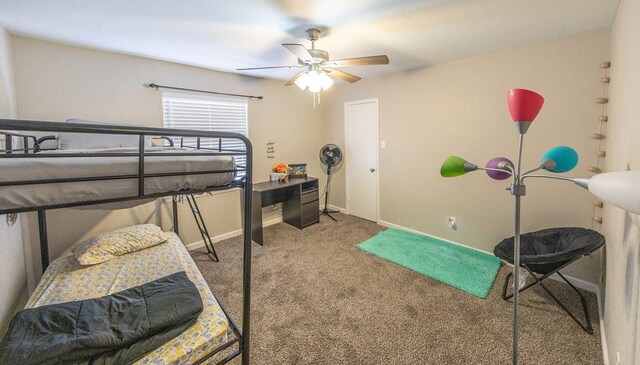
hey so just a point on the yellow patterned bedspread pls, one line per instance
(66, 280)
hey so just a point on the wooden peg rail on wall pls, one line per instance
(600, 135)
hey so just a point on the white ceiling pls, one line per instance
(229, 34)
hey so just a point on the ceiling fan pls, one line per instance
(317, 65)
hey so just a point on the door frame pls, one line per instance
(346, 151)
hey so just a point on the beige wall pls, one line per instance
(622, 229)
(56, 82)
(7, 90)
(459, 107)
(425, 115)
(13, 269)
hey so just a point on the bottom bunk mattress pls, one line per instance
(44, 168)
(66, 280)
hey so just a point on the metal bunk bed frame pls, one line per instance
(7, 126)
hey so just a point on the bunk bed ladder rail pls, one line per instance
(202, 227)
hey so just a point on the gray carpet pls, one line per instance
(317, 299)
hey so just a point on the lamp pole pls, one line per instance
(518, 190)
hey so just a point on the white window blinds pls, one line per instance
(186, 111)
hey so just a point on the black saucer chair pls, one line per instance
(548, 251)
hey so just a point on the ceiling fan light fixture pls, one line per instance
(315, 81)
(315, 88)
(303, 81)
(325, 81)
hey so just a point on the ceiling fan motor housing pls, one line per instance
(313, 34)
(319, 56)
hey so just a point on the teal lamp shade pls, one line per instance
(559, 159)
(456, 166)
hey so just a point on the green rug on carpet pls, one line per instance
(464, 268)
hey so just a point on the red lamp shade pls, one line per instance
(524, 105)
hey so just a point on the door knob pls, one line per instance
(372, 170)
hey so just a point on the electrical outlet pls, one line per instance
(453, 223)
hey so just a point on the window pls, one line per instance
(186, 111)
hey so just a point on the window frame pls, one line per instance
(211, 99)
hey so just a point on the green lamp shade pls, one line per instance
(560, 159)
(456, 166)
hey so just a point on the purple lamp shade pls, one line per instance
(498, 163)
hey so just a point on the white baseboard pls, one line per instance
(397, 226)
(603, 334)
(333, 207)
(579, 283)
(224, 236)
(238, 232)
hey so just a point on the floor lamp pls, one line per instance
(621, 189)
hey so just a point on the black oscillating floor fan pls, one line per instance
(330, 156)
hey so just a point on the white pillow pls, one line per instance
(84, 141)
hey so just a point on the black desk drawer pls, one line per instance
(310, 213)
(309, 196)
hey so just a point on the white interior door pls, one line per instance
(361, 155)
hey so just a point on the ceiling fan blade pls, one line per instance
(293, 79)
(299, 50)
(265, 68)
(342, 75)
(360, 61)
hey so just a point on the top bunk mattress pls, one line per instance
(66, 280)
(37, 168)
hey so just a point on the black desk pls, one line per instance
(299, 198)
